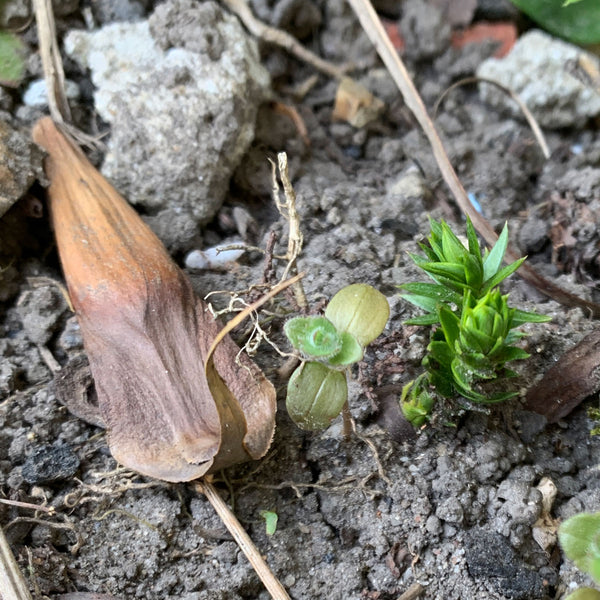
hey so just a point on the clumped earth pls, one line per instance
(456, 507)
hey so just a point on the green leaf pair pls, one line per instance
(317, 390)
(475, 333)
(417, 401)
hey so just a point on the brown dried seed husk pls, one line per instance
(147, 335)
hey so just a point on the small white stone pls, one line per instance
(212, 258)
(36, 94)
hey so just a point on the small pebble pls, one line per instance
(212, 258)
(48, 463)
(36, 94)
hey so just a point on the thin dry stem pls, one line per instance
(12, 583)
(353, 482)
(51, 510)
(292, 113)
(242, 315)
(280, 38)
(51, 62)
(374, 29)
(273, 585)
(54, 74)
(288, 211)
(531, 120)
(414, 591)
(349, 427)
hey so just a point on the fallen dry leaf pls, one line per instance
(571, 380)
(147, 335)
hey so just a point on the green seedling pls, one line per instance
(475, 328)
(579, 537)
(318, 389)
(317, 337)
(314, 336)
(12, 59)
(271, 519)
(316, 395)
(584, 593)
(359, 310)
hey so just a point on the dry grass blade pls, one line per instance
(535, 128)
(243, 540)
(412, 593)
(54, 74)
(374, 29)
(12, 583)
(51, 61)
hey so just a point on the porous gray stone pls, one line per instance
(49, 463)
(181, 91)
(536, 70)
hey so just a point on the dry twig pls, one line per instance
(413, 592)
(243, 540)
(280, 38)
(12, 583)
(535, 128)
(288, 211)
(54, 74)
(51, 62)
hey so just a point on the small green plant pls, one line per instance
(12, 59)
(475, 328)
(579, 537)
(271, 519)
(329, 345)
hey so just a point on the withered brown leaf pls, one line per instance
(572, 379)
(147, 335)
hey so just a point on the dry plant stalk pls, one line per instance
(280, 38)
(51, 61)
(287, 209)
(243, 540)
(148, 336)
(12, 584)
(531, 120)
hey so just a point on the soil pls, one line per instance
(455, 507)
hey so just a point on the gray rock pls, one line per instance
(534, 234)
(535, 70)
(522, 501)
(490, 557)
(181, 92)
(20, 164)
(40, 310)
(425, 30)
(450, 510)
(108, 11)
(50, 463)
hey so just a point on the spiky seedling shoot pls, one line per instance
(475, 331)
